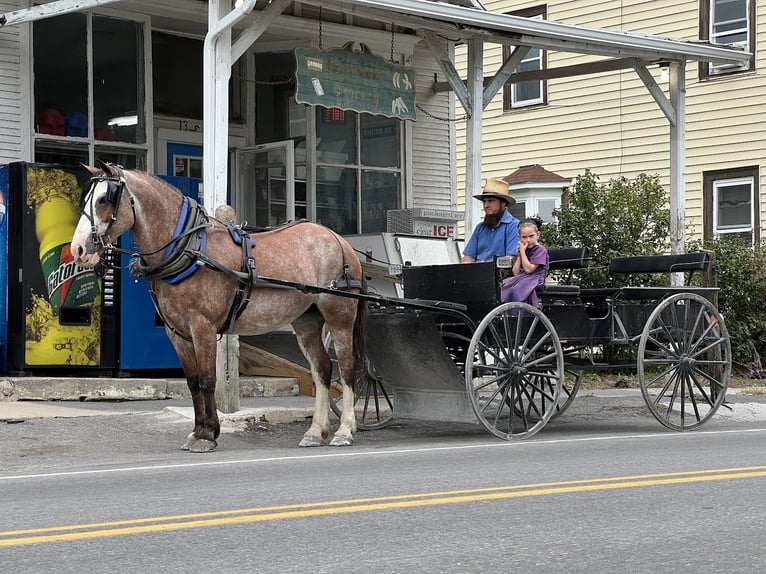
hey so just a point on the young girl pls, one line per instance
(529, 266)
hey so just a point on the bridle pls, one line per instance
(116, 185)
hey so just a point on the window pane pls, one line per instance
(734, 206)
(379, 141)
(177, 75)
(518, 210)
(127, 158)
(70, 155)
(728, 10)
(336, 199)
(545, 209)
(117, 81)
(61, 75)
(336, 134)
(380, 192)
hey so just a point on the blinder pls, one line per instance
(115, 187)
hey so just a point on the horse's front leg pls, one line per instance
(201, 383)
(206, 424)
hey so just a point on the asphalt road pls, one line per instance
(602, 489)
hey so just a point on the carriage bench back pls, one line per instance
(571, 258)
(687, 263)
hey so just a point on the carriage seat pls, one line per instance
(687, 263)
(571, 258)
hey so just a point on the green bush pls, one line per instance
(742, 280)
(620, 218)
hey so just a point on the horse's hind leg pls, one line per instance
(202, 388)
(308, 329)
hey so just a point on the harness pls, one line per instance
(186, 252)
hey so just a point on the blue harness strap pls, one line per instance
(236, 235)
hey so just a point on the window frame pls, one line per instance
(708, 70)
(359, 169)
(712, 182)
(510, 101)
(97, 148)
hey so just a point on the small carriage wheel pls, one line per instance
(684, 361)
(514, 371)
(373, 401)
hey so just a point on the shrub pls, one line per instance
(742, 280)
(621, 218)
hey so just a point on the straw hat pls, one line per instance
(496, 188)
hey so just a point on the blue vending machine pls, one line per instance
(3, 271)
(144, 345)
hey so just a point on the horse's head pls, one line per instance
(101, 219)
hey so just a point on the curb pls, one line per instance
(116, 389)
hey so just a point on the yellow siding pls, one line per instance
(610, 124)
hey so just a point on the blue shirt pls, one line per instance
(485, 244)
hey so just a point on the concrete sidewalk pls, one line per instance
(23, 398)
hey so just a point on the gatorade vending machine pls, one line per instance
(60, 315)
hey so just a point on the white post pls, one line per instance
(473, 176)
(217, 70)
(678, 158)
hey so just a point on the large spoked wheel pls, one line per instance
(514, 371)
(684, 361)
(373, 402)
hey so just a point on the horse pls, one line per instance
(207, 278)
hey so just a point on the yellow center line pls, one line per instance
(267, 513)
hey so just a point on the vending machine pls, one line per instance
(61, 315)
(3, 271)
(144, 345)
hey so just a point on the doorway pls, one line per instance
(267, 192)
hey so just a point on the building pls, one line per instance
(558, 123)
(329, 110)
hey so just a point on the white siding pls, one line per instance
(433, 138)
(11, 132)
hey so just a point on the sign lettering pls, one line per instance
(356, 80)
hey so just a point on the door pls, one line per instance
(267, 193)
(184, 160)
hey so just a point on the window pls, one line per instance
(177, 78)
(89, 90)
(731, 23)
(530, 92)
(358, 170)
(731, 204)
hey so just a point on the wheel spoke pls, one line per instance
(685, 338)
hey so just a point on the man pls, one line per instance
(498, 234)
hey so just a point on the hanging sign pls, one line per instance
(356, 80)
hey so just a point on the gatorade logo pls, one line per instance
(62, 276)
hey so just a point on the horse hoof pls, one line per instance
(310, 441)
(203, 445)
(341, 441)
(190, 440)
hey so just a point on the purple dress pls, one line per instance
(521, 287)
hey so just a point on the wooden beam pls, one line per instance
(48, 10)
(562, 72)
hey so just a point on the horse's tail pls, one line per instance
(360, 336)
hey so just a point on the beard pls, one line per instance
(491, 220)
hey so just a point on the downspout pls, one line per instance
(216, 66)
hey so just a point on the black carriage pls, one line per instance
(450, 351)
